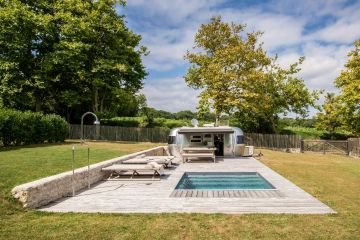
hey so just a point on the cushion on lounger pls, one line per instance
(154, 165)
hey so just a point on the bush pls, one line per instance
(23, 128)
(142, 122)
(170, 123)
(122, 121)
(336, 136)
(313, 133)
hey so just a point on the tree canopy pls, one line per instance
(237, 77)
(344, 109)
(329, 119)
(68, 57)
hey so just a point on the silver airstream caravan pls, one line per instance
(226, 140)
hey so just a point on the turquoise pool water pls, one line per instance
(223, 180)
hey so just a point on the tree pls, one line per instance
(146, 111)
(237, 77)
(67, 56)
(24, 43)
(330, 118)
(349, 98)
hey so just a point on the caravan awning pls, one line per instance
(184, 130)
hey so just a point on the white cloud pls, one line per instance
(168, 47)
(279, 30)
(322, 31)
(175, 11)
(323, 63)
(170, 94)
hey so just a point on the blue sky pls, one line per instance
(323, 31)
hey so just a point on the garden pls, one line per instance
(323, 177)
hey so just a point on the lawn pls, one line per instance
(333, 179)
(313, 133)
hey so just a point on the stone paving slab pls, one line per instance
(156, 196)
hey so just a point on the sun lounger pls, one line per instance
(145, 160)
(160, 157)
(136, 169)
(186, 156)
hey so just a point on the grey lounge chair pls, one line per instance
(136, 169)
(165, 161)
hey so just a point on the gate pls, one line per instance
(325, 146)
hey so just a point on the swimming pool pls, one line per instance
(223, 180)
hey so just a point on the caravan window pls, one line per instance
(171, 140)
(195, 138)
(239, 139)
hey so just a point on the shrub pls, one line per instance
(142, 122)
(170, 123)
(122, 121)
(23, 128)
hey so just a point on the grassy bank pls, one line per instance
(313, 133)
(335, 180)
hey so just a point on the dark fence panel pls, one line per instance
(273, 141)
(326, 146)
(354, 147)
(115, 133)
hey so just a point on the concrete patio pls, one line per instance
(123, 196)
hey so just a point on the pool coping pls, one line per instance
(228, 193)
(156, 196)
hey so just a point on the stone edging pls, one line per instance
(43, 191)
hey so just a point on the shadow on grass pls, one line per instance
(13, 148)
(67, 142)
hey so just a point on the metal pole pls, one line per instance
(88, 177)
(73, 171)
(82, 129)
(97, 122)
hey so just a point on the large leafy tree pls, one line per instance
(237, 77)
(329, 118)
(68, 56)
(349, 98)
(25, 40)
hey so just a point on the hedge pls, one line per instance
(23, 128)
(122, 121)
(141, 122)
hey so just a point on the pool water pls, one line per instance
(223, 180)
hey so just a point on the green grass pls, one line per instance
(23, 164)
(305, 132)
(312, 133)
(333, 179)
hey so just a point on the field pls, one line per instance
(333, 179)
(313, 133)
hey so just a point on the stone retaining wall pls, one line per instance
(43, 191)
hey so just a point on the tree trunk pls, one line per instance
(38, 105)
(273, 125)
(102, 102)
(68, 114)
(217, 119)
(96, 100)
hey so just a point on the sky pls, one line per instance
(321, 30)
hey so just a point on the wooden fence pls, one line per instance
(354, 147)
(273, 141)
(114, 133)
(326, 146)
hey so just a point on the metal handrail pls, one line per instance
(73, 166)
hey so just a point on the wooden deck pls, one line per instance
(159, 196)
(227, 193)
